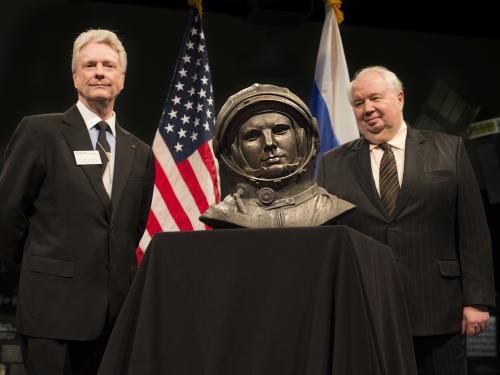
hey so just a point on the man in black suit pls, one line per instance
(76, 190)
(421, 198)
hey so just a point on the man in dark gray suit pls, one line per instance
(416, 192)
(75, 195)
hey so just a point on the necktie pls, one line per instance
(389, 182)
(104, 150)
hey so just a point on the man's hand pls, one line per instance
(474, 321)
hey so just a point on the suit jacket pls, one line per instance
(78, 246)
(439, 235)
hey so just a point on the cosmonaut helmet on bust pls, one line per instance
(268, 140)
(234, 132)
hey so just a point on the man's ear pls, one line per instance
(123, 81)
(74, 81)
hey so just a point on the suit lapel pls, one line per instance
(360, 164)
(414, 167)
(78, 138)
(124, 157)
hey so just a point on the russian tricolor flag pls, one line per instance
(329, 100)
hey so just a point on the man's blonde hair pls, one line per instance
(99, 36)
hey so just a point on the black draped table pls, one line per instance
(315, 301)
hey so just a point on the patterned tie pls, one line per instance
(104, 150)
(389, 182)
(102, 144)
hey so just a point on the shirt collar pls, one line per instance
(399, 140)
(91, 119)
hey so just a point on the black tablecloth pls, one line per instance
(323, 300)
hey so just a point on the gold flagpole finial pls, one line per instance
(336, 4)
(196, 4)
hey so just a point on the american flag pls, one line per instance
(187, 181)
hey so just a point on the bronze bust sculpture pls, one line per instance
(268, 140)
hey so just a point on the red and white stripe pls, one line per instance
(182, 192)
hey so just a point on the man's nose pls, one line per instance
(99, 71)
(268, 138)
(368, 107)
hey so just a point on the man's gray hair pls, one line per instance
(391, 79)
(99, 36)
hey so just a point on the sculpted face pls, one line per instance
(377, 107)
(268, 141)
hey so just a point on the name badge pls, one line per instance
(87, 157)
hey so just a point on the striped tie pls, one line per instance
(389, 182)
(102, 145)
(104, 150)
